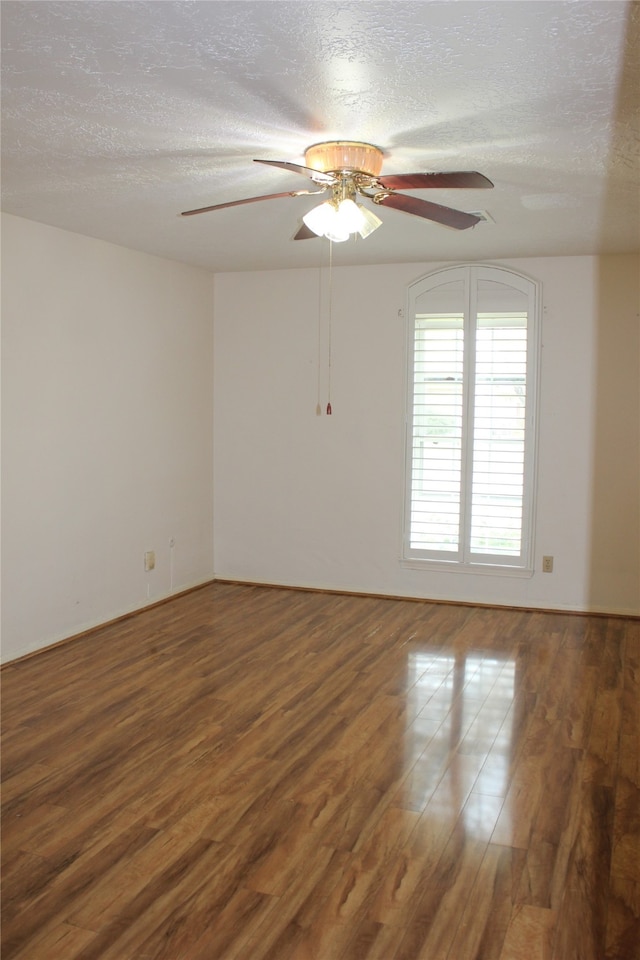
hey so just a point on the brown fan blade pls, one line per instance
(430, 211)
(237, 203)
(445, 181)
(316, 175)
(304, 233)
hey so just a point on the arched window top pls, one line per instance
(505, 277)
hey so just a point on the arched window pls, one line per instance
(473, 358)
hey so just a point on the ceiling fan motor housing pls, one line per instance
(334, 156)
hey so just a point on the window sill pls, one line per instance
(471, 569)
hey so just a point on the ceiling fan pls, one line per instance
(349, 169)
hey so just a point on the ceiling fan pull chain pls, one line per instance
(329, 409)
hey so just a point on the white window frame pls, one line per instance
(463, 561)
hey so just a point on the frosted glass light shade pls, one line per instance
(337, 232)
(350, 216)
(319, 219)
(369, 222)
(325, 221)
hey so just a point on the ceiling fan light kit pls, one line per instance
(350, 168)
(337, 221)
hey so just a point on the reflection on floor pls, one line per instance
(462, 707)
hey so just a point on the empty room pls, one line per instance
(320, 480)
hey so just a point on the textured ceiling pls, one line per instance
(119, 115)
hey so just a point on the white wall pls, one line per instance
(107, 431)
(107, 442)
(309, 500)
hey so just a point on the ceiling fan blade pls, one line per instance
(237, 203)
(430, 211)
(445, 181)
(304, 233)
(316, 175)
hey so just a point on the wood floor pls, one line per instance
(250, 773)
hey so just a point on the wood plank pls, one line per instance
(487, 915)
(530, 935)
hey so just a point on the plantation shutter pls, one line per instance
(471, 418)
(438, 408)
